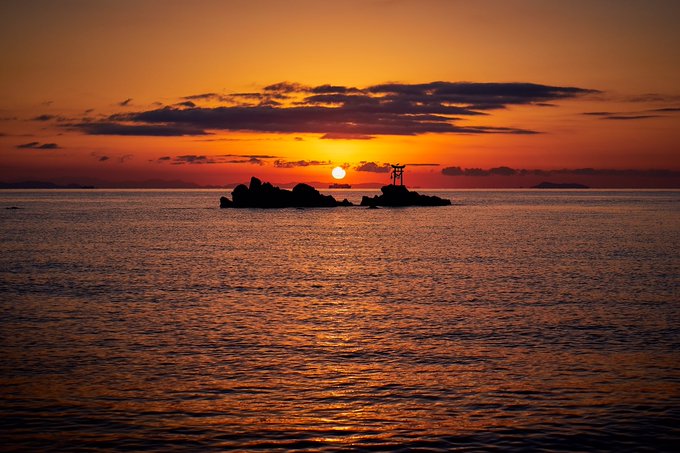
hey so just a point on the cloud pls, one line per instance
(37, 145)
(251, 160)
(160, 130)
(196, 159)
(507, 171)
(256, 156)
(103, 158)
(629, 117)
(193, 159)
(635, 115)
(373, 167)
(299, 163)
(341, 136)
(188, 104)
(422, 165)
(125, 103)
(339, 112)
(44, 117)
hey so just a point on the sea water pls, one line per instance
(514, 320)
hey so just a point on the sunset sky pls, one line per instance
(467, 94)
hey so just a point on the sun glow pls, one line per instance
(338, 172)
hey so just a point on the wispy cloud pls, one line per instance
(197, 159)
(299, 163)
(507, 171)
(38, 145)
(373, 167)
(635, 115)
(113, 128)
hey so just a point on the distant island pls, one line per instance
(339, 185)
(558, 185)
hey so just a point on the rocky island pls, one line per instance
(398, 195)
(265, 195)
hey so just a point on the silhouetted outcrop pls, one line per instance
(400, 196)
(558, 185)
(260, 195)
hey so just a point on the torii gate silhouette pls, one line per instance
(398, 173)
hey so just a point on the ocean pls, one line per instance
(513, 320)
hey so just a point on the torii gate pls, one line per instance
(398, 173)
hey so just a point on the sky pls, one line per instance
(466, 94)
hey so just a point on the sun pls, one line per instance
(338, 172)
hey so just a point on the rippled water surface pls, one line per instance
(537, 320)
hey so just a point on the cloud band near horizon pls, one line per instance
(507, 171)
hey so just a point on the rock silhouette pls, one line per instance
(265, 195)
(400, 196)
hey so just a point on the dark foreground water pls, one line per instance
(513, 320)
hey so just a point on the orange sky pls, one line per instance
(68, 68)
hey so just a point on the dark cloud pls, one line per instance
(37, 145)
(422, 165)
(373, 167)
(252, 160)
(125, 103)
(112, 128)
(334, 89)
(44, 117)
(341, 136)
(202, 96)
(299, 163)
(251, 156)
(507, 171)
(503, 171)
(103, 158)
(287, 87)
(339, 112)
(653, 97)
(220, 159)
(634, 115)
(189, 104)
(629, 117)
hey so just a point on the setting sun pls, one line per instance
(338, 172)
